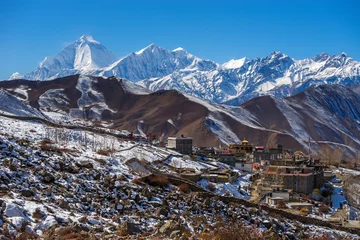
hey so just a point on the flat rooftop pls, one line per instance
(299, 204)
(179, 138)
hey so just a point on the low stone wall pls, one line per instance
(281, 213)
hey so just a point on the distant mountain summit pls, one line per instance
(233, 82)
(84, 55)
(154, 61)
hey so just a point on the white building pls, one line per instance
(244, 166)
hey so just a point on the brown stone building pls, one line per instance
(182, 145)
(299, 179)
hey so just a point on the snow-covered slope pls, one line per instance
(11, 105)
(84, 55)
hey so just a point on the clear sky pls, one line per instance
(216, 30)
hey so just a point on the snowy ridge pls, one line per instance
(10, 105)
(134, 88)
(92, 103)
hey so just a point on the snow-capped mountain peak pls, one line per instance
(84, 55)
(16, 75)
(88, 38)
(235, 63)
(151, 48)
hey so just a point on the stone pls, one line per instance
(85, 164)
(72, 169)
(147, 193)
(162, 211)
(174, 234)
(38, 214)
(64, 204)
(27, 193)
(48, 178)
(127, 228)
(13, 167)
(83, 219)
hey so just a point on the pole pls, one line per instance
(309, 149)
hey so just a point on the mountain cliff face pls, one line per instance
(231, 83)
(328, 115)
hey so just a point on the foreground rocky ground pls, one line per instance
(52, 191)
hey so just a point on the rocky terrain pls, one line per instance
(69, 184)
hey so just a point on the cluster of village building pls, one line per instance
(284, 173)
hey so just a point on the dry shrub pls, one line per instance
(211, 187)
(306, 198)
(137, 180)
(46, 145)
(66, 233)
(51, 148)
(100, 160)
(237, 231)
(184, 188)
(158, 180)
(45, 141)
(324, 209)
(281, 204)
(23, 142)
(105, 152)
(304, 211)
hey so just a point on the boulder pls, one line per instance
(38, 213)
(127, 228)
(162, 211)
(85, 164)
(27, 193)
(48, 178)
(64, 204)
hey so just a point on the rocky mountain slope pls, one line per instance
(57, 184)
(232, 83)
(324, 114)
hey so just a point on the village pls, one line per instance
(281, 178)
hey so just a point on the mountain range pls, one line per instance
(328, 115)
(232, 83)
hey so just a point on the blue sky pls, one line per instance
(216, 30)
